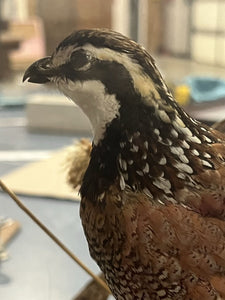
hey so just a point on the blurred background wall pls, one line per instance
(181, 28)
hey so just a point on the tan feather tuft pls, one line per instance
(77, 160)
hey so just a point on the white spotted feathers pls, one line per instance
(150, 167)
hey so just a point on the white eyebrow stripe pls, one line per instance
(142, 82)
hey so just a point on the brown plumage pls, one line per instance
(153, 198)
(171, 251)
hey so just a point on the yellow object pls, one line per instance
(182, 94)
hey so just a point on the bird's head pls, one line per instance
(105, 73)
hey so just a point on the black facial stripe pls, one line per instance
(117, 80)
(113, 75)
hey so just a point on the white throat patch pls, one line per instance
(101, 108)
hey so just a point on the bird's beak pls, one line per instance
(40, 71)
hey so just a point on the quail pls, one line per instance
(152, 197)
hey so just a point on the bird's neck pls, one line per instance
(148, 148)
(127, 140)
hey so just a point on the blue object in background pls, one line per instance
(205, 89)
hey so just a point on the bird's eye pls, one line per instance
(80, 60)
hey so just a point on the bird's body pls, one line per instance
(153, 198)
